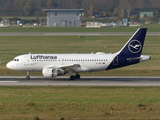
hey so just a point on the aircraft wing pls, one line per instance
(75, 68)
(67, 67)
(70, 67)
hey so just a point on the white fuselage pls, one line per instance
(36, 62)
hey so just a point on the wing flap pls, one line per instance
(70, 67)
(67, 67)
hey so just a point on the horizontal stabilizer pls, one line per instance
(142, 58)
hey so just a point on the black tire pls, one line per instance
(72, 77)
(77, 76)
(27, 77)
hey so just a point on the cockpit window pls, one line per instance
(16, 60)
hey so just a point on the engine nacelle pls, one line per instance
(49, 72)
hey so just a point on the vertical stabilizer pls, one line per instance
(134, 46)
(131, 51)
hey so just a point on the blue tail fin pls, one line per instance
(131, 51)
(133, 47)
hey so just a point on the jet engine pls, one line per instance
(50, 72)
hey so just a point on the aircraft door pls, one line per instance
(26, 61)
(115, 61)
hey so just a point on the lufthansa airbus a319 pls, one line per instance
(53, 65)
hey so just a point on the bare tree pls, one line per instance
(121, 8)
(155, 4)
(129, 5)
(125, 7)
(101, 5)
(88, 5)
(52, 4)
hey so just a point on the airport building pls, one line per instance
(145, 14)
(64, 17)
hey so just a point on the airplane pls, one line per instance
(53, 65)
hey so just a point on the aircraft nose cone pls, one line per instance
(9, 65)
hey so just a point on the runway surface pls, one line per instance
(72, 33)
(84, 81)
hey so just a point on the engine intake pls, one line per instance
(49, 72)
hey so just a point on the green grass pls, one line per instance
(50, 102)
(24, 18)
(66, 29)
(79, 103)
(151, 28)
(12, 46)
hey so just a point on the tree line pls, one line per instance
(121, 8)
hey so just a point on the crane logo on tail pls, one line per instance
(134, 46)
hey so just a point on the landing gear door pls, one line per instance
(26, 61)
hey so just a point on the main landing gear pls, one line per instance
(72, 77)
(77, 76)
(28, 75)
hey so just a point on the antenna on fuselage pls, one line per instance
(105, 47)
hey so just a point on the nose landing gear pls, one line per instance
(28, 75)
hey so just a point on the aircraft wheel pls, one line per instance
(77, 76)
(72, 77)
(27, 77)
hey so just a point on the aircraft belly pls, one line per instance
(38, 67)
(98, 66)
